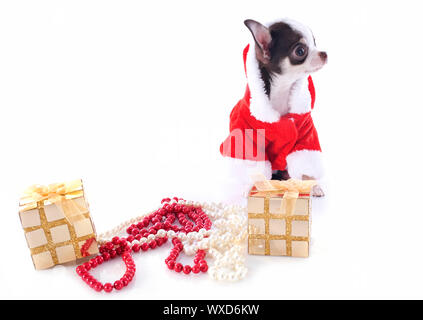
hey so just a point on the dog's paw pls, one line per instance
(317, 191)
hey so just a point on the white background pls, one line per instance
(134, 98)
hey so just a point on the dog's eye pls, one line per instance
(300, 52)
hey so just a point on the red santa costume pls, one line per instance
(282, 142)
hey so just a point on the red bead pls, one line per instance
(166, 200)
(81, 270)
(204, 267)
(115, 240)
(130, 272)
(202, 262)
(93, 263)
(178, 267)
(118, 285)
(153, 244)
(119, 251)
(98, 287)
(140, 225)
(92, 283)
(130, 238)
(109, 246)
(108, 287)
(87, 266)
(99, 259)
(106, 256)
(136, 247)
(86, 277)
(145, 246)
(171, 264)
(196, 269)
(135, 232)
(113, 254)
(138, 237)
(124, 281)
(187, 269)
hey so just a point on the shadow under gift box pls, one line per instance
(272, 230)
(57, 224)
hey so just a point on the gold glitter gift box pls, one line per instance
(57, 223)
(279, 218)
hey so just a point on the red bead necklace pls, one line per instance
(153, 231)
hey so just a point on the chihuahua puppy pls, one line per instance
(271, 129)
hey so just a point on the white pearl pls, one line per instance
(182, 236)
(151, 237)
(203, 245)
(171, 234)
(189, 250)
(143, 240)
(161, 233)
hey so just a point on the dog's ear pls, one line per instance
(262, 38)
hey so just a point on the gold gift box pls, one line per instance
(57, 224)
(275, 228)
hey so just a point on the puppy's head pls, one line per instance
(286, 48)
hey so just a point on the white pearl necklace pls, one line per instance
(225, 242)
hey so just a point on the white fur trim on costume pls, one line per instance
(240, 177)
(260, 106)
(305, 162)
(243, 169)
(300, 98)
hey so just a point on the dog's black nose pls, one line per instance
(323, 55)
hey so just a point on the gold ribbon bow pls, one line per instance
(290, 189)
(60, 194)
